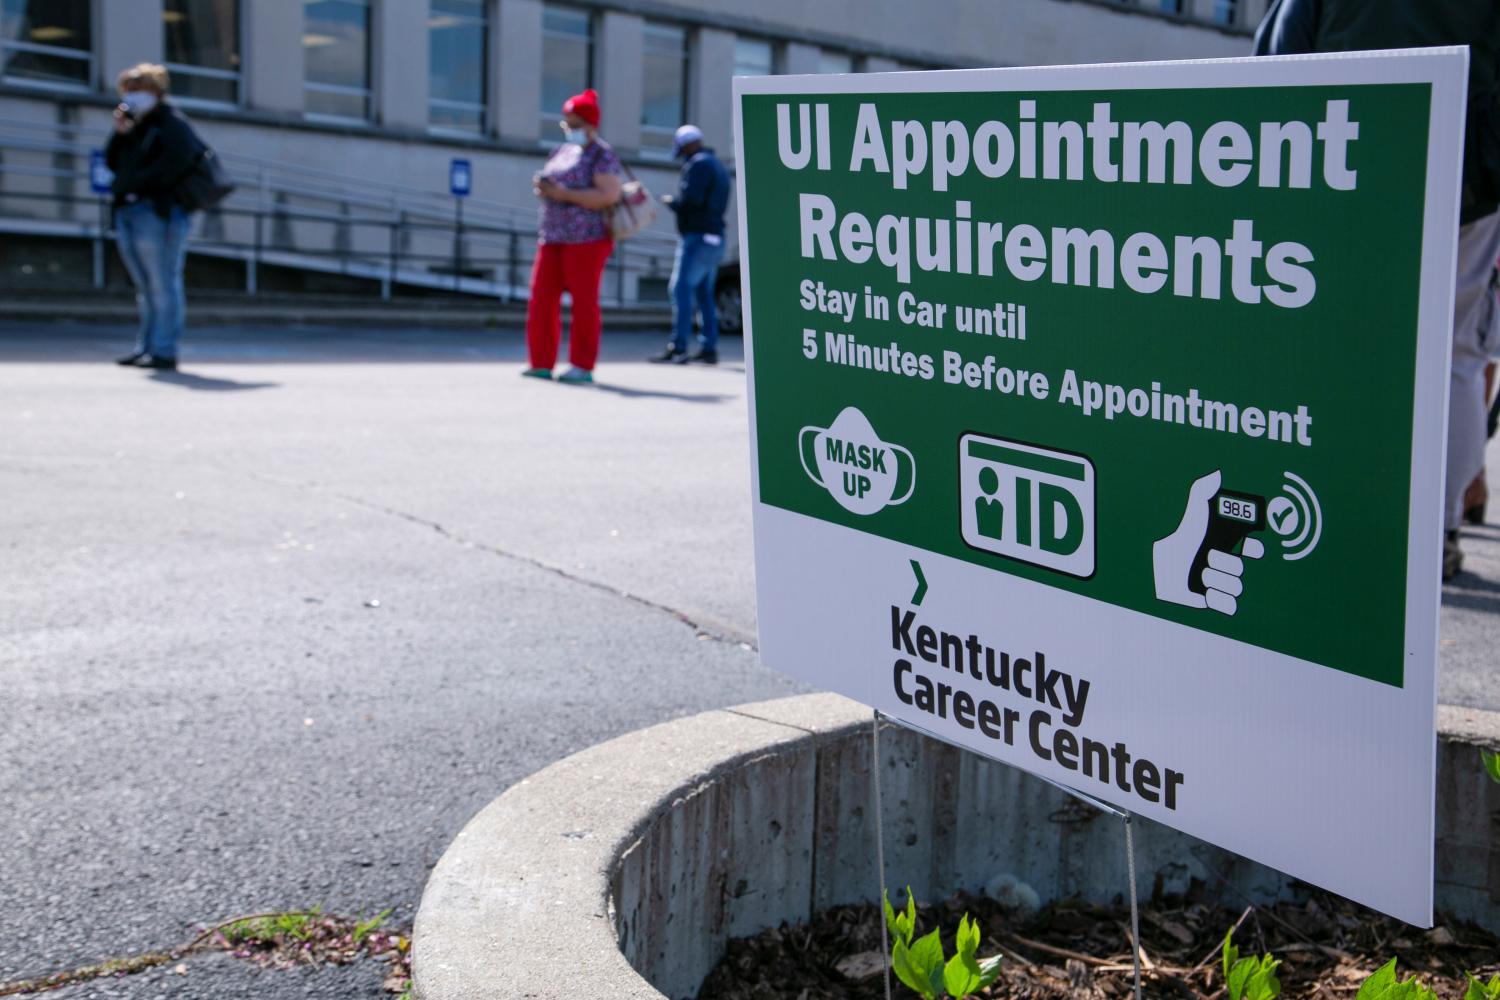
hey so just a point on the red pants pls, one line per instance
(577, 269)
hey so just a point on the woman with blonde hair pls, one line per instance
(580, 181)
(152, 149)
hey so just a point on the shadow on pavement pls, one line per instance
(683, 397)
(1471, 591)
(204, 383)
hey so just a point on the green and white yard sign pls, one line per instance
(1144, 367)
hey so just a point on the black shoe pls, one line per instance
(1453, 556)
(131, 360)
(156, 361)
(702, 358)
(670, 356)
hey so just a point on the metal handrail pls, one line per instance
(384, 266)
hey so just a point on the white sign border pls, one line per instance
(1447, 76)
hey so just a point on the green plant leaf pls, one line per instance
(1262, 983)
(1491, 761)
(989, 971)
(927, 959)
(1231, 954)
(902, 925)
(907, 971)
(961, 976)
(970, 942)
(364, 927)
(1479, 990)
(890, 914)
(1381, 980)
(1239, 976)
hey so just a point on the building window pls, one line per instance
(664, 106)
(47, 42)
(753, 57)
(336, 59)
(1169, 6)
(835, 62)
(567, 61)
(1226, 11)
(457, 38)
(202, 45)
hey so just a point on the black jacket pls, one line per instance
(702, 194)
(1297, 26)
(152, 158)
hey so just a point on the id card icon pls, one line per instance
(1027, 503)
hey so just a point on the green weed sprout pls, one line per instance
(920, 964)
(1482, 991)
(1383, 985)
(1249, 978)
(364, 927)
(1491, 761)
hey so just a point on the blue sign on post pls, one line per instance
(100, 176)
(460, 178)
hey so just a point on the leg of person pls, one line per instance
(1473, 322)
(175, 232)
(127, 236)
(151, 244)
(680, 290)
(583, 269)
(707, 273)
(544, 310)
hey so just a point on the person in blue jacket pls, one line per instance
(702, 195)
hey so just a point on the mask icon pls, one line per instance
(862, 473)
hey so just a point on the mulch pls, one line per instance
(1072, 949)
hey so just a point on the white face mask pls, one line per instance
(576, 136)
(139, 102)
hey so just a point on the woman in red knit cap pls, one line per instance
(579, 183)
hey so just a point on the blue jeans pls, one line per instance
(693, 272)
(153, 249)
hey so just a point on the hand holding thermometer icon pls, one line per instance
(1201, 564)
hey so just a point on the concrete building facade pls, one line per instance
(385, 93)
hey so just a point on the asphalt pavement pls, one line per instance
(274, 627)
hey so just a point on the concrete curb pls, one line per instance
(620, 872)
(523, 891)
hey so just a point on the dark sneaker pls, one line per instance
(543, 373)
(702, 358)
(1453, 556)
(156, 361)
(131, 360)
(576, 376)
(671, 356)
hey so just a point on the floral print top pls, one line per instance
(574, 167)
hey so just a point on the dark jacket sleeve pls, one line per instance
(179, 147)
(1290, 27)
(692, 189)
(114, 149)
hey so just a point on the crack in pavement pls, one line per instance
(702, 627)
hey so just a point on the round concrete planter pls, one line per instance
(620, 872)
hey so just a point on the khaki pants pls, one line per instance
(1474, 338)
